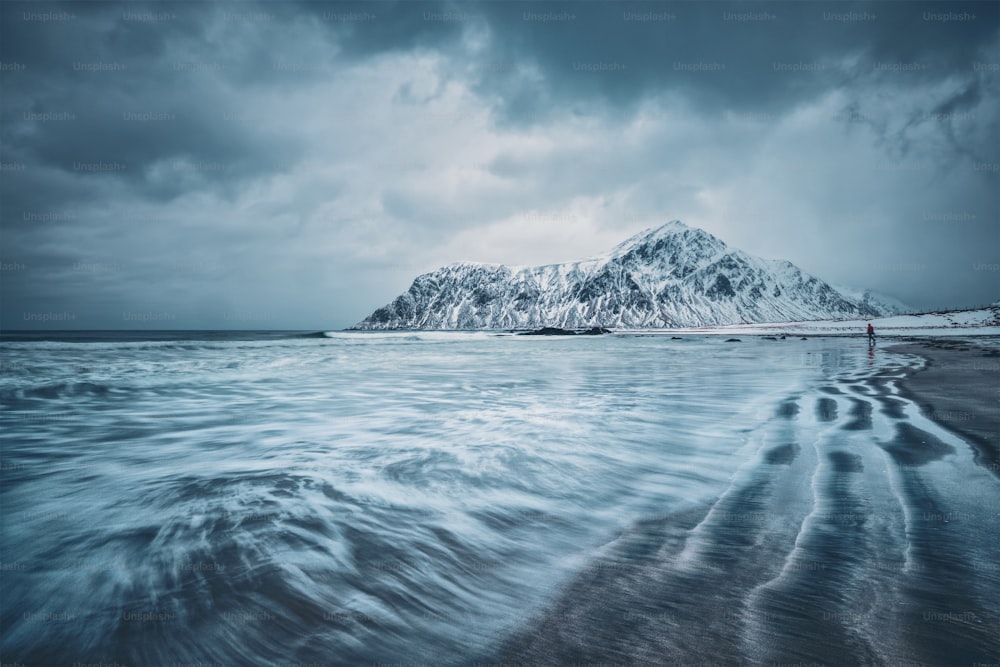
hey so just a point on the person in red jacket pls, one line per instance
(871, 334)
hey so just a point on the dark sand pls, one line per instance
(960, 390)
(853, 548)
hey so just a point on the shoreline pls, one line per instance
(836, 541)
(959, 389)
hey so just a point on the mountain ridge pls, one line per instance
(668, 276)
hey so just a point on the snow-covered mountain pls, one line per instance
(671, 276)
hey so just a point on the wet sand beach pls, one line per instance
(460, 499)
(959, 388)
(862, 532)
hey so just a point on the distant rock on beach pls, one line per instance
(556, 331)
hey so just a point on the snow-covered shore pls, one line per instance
(977, 322)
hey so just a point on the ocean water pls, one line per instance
(349, 499)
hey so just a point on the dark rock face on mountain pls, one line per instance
(671, 276)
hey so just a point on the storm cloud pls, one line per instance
(268, 165)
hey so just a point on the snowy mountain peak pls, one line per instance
(669, 276)
(658, 235)
(653, 233)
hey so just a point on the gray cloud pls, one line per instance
(728, 55)
(243, 165)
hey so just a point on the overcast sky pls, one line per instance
(264, 165)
